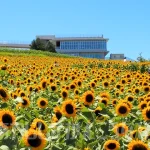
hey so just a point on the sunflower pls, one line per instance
(39, 124)
(25, 102)
(88, 98)
(22, 93)
(3, 94)
(142, 105)
(129, 98)
(111, 145)
(43, 84)
(122, 109)
(146, 113)
(34, 139)
(136, 90)
(105, 95)
(7, 119)
(58, 112)
(134, 134)
(64, 93)
(76, 92)
(69, 108)
(53, 87)
(146, 89)
(120, 129)
(30, 88)
(92, 84)
(42, 102)
(72, 86)
(105, 84)
(97, 111)
(114, 102)
(137, 145)
(104, 101)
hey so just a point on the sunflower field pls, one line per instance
(60, 103)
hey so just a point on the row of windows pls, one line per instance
(83, 45)
(89, 55)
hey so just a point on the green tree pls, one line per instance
(39, 44)
(50, 47)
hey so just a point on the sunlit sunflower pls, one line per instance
(39, 124)
(53, 87)
(72, 86)
(22, 93)
(7, 119)
(114, 102)
(146, 89)
(120, 129)
(88, 98)
(105, 84)
(92, 84)
(64, 93)
(58, 112)
(111, 145)
(129, 98)
(105, 95)
(43, 84)
(142, 105)
(146, 113)
(30, 88)
(137, 145)
(3, 94)
(35, 139)
(104, 101)
(122, 109)
(25, 102)
(136, 90)
(42, 102)
(69, 108)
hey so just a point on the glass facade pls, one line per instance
(83, 45)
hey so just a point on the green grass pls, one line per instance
(19, 52)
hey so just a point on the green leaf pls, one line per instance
(4, 147)
(4, 105)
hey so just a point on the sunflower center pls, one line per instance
(7, 119)
(143, 106)
(3, 93)
(34, 140)
(137, 91)
(44, 84)
(130, 99)
(79, 83)
(64, 94)
(120, 130)
(111, 146)
(139, 147)
(89, 98)
(104, 101)
(97, 112)
(42, 103)
(40, 125)
(122, 110)
(58, 115)
(146, 89)
(69, 109)
(24, 102)
(105, 84)
(22, 94)
(148, 114)
(53, 88)
(72, 86)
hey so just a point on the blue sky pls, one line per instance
(125, 22)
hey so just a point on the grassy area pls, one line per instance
(19, 52)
